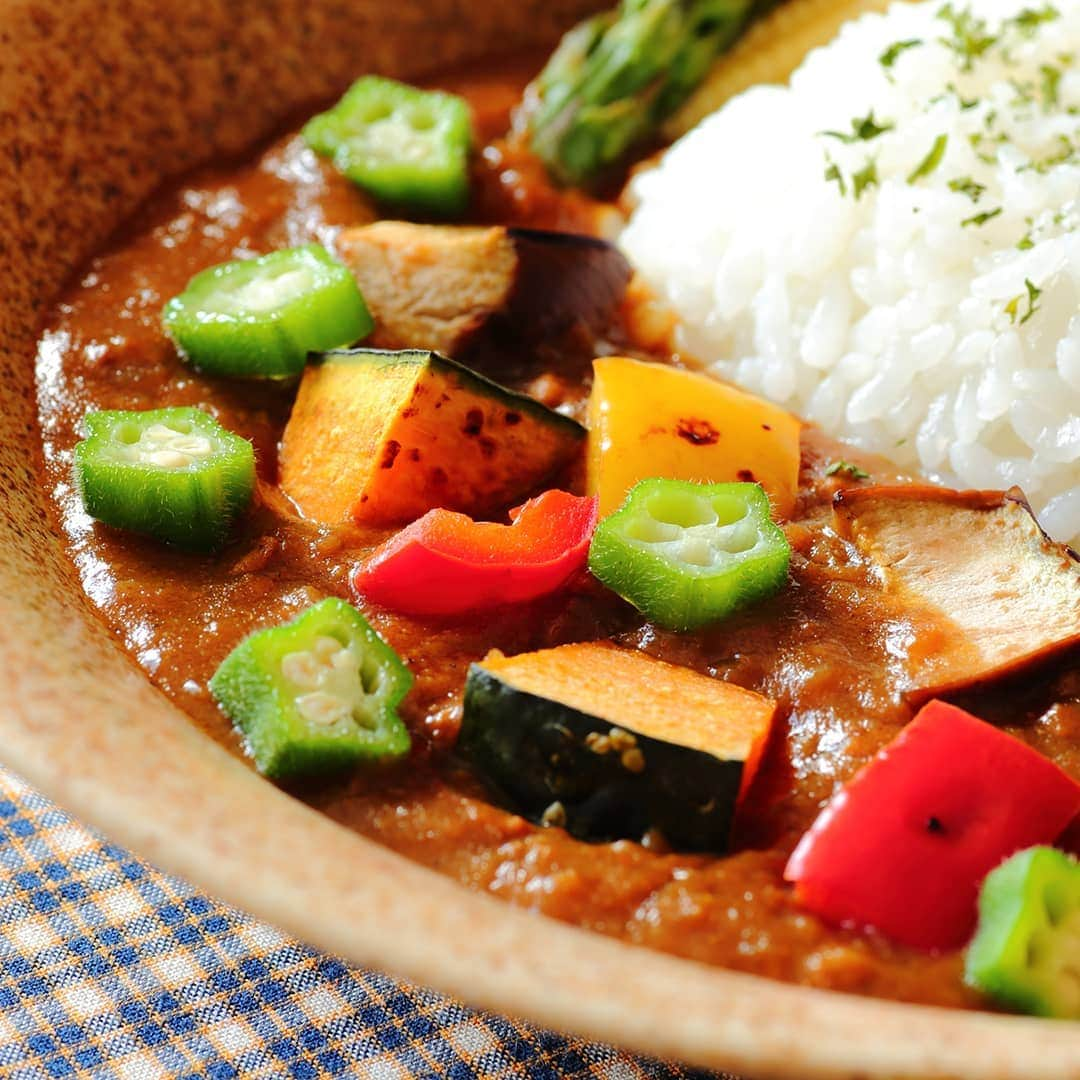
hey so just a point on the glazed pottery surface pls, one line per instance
(100, 100)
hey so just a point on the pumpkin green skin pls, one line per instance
(532, 752)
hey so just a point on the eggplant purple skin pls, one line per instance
(1016, 495)
(563, 279)
(566, 290)
(531, 753)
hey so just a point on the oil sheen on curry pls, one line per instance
(376, 456)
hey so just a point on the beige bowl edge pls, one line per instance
(99, 101)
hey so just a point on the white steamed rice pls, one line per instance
(885, 319)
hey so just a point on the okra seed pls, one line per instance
(407, 143)
(329, 672)
(194, 445)
(696, 551)
(342, 660)
(266, 294)
(322, 708)
(301, 669)
(325, 647)
(597, 743)
(166, 447)
(554, 816)
(166, 459)
(160, 433)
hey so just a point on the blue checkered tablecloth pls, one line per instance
(110, 969)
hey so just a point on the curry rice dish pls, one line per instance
(381, 461)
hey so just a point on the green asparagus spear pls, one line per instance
(616, 77)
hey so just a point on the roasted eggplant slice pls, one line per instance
(461, 290)
(987, 590)
(612, 744)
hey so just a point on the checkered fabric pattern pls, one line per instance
(110, 969)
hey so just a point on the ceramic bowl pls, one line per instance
(99, 101)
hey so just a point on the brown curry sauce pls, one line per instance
(819, 648)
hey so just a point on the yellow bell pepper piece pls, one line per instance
(653, 420)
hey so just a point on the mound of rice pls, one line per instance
(910, 282)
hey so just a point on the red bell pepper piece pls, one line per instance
(905, 845)
(447, 564)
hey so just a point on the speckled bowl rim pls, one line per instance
(98, 101)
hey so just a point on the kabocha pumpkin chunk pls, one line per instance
(653, 420)
(1026, 951)
(612, 744)
(316, 694)
(383, 437)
